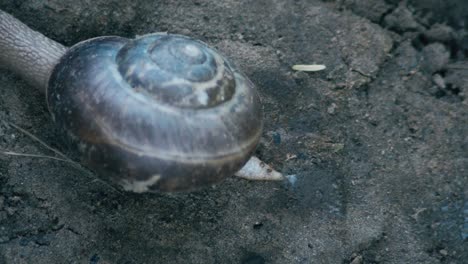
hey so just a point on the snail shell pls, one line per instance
(160, 112)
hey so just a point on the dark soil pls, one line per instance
(379, 140)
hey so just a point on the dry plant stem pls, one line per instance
(33, 56)
(11, 153)
(73, 163)
(63, 158)
(33, 137)
(26, 52)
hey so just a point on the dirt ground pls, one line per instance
(378, 142)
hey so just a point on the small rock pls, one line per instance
(407, 57)
(435, 57)
(257, 225)
(15, 199)
(357, 260)
(337, 147)
(456, 77)
(332, 108)
(439, 81)
(444, 208)
(443, 252)
(434, 90)
(440, 33)
(292, 179)
(10, 210)
(370, 9)
(401, 20)
(42, 240)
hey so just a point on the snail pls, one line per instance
(158, 113)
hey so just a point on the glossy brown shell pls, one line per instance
(147, 140)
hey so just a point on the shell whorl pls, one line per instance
(176, 71)
(158, 113)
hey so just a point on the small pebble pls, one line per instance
(401, 19)
(42, 240)
(439, 81)
(332, 108)
(357, 260)
(10, 210)
(436, 56)
(440, 32)
(292, 179)
(257, 225)
(15, 199)
(444, 208)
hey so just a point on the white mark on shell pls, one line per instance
(140, 186)
(203, 98)
(192, 51)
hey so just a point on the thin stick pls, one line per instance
(33, 137)
(11, 153)
(63, 158)
(24, 131)
(75, 164)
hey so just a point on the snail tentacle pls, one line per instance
(257, 170)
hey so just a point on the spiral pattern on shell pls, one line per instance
(176, 71)
(158, 113)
